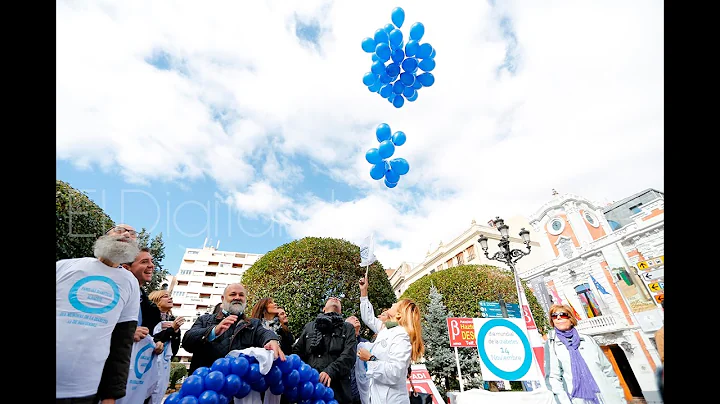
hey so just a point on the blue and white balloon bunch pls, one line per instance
(400, 78)
(378, 157)
(230, 378)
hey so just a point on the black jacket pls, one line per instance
(287, 339)
(334, 355)
(245, 333)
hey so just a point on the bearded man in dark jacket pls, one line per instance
(213, 336)
(328, 345)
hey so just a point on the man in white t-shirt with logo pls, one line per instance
(96, 311)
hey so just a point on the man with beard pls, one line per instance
(96, 311)
(328, 345)
(213, 336)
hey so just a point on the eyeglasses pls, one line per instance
(560, 315)
(120, 229)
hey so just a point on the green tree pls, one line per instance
(465, 285)
(302, 274)
(157, 250)
(78, 222)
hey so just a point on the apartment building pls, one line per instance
(200, 281)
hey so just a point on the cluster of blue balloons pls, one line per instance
(236, 377)
(400, 78)
(378, 157)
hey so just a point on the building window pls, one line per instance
(471, 252)
(439, 267)
(189, 261)
(237, 265)
(460, 259)
(207, 284)
(239, 255)
(204, 295)
(182, 283)
(192, 253)
(449, 263)
(588, 300)
(556, 226)
(590, 218)
(213, 263)
(210, 274)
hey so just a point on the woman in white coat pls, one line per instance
(398, 343)
(576, 369)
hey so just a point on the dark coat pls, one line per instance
(245, 333)
(337, 359)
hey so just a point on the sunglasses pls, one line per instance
(120, 229)
(560, 315)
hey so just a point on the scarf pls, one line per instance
(273, 325)
(390, 324)
(166, 316)
(584, 385)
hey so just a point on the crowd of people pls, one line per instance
(103, 313)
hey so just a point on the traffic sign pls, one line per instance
(660, 297)
(483, 303)
(649, 263)
(652, 275)
(656, 286)
(461, 332)
(490, 313)
(513, 310)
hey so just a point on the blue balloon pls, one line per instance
(386, 149)
(398, 46)
(277, 389)
(396, 37)
(189, 400)
(222, 399)
(424, 51)
(202, 371)
(398, 101)
(409, 91)
(413, 98)
(232, 385)
(215, 381)
(432, 54)
(392, 70)
(314, 376)
(253, 373)
(306, 390)
(417, 31)
(407, 78)
(369, 78)
(244, 390)
(390, 184)
(384, 78)
(208, 397)
(427, 79)
(398, 16)
(292, 378)
(383, 51)
(239, 366)
(381, 36)
(427, 64)
(398, 138)
(383, 132)
(391, 98)
(333, 401)
(305, 370)
(368, 45)
(398, 55)
(375, 87)
(409, 64)
(378, 67)
(194, 385)
(329, 394)
(221, 365)
(411, 48)
(291, 394)
(400, 165)
(173, 398)
(295, 360)
(319, 392)
(376, 172)
(398, 87)
(386, 90)
(388, 27)
(392, 176)
(417, 84)
(273, 376)
(374, 57)
(259, 385)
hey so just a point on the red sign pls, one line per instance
(529, 321)
(461, 332)
(423, 383)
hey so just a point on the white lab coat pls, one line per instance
(388, 374)
(558, 374)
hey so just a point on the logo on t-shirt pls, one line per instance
(94, 294)
(142, 355)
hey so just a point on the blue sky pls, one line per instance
(258, 109)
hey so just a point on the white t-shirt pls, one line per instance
(90, 299)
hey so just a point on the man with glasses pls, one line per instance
(96, 311)
(328, 345)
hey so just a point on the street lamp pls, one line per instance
(505, 254)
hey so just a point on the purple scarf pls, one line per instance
(584, 385)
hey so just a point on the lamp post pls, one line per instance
(507, 255)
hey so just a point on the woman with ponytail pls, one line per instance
(576, 369)
(398, 343)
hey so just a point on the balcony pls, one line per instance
(599, 325)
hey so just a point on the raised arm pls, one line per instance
(367, 313)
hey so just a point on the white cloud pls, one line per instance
(583, 112)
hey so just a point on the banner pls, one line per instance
(423, 383)
(143, 375)
(367, 253)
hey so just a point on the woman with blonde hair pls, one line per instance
(167, 328)
(398, 344)
(576, 369)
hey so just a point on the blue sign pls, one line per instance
(513, 310)
(525, 365)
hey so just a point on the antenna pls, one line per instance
(218, 245)
(205, 242)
